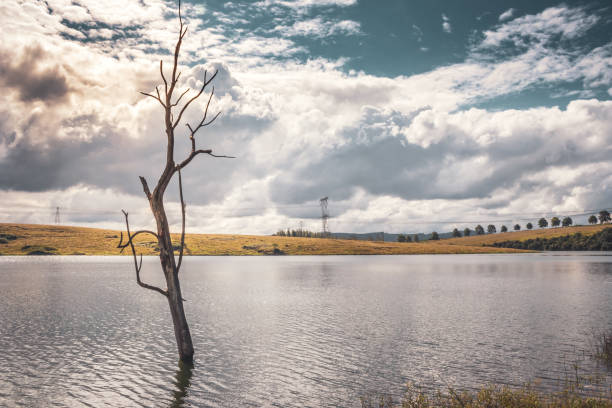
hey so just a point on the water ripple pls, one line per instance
(292, 332)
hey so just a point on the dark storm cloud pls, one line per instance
(48, 164)
(30, 78)
(382, 167)
(99, 154)
(105, 162)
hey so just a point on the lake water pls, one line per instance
(294, 331)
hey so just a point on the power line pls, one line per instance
(27, 208)
(525, 216)
(536, 215)
(67, 211)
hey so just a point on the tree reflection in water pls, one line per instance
(182, 383)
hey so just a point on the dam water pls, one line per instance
(311, 331)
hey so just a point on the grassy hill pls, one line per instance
(490, 239)
(24, 239)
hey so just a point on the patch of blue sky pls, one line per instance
(397, 37)
(543, 95)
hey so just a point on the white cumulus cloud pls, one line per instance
(507, 15)
(446, 26)
(389, 152)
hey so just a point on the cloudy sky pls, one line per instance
(410, 115)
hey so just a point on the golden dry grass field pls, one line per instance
(490, 239)
(64, 240)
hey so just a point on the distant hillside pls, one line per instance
(474, 239)
(388, 237)
(28, 239)
(546, 233)
(599, 241)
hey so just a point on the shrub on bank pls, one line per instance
(489, 397)
(603, 349)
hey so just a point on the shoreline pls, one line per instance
(57, 240)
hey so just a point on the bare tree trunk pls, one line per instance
(173, 285)
(181, 328)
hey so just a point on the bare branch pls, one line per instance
(154, 97)
(221, 156)
(180, 260)
(122, 246)
(181, 31)
(179, 98)
(136, 265)
(180, 16)
(161, 71)
(191, 137)
(206, 82)
(212, 120)
(212, 93)
(177, 50)
(203, 122)
(201, 151)
(145, 187)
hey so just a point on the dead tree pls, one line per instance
(170, 265)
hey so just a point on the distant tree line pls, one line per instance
(407, 238)
(302, 233)
(604, 217)
(600, 241)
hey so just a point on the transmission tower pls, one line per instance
(57, 215)
(324, 216)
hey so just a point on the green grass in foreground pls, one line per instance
(491, 397)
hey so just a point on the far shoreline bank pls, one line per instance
(57, 240)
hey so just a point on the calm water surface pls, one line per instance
(293, 331)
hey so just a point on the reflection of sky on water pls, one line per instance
(297, 331)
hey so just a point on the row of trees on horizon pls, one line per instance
(604, 217)
(302, 233)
